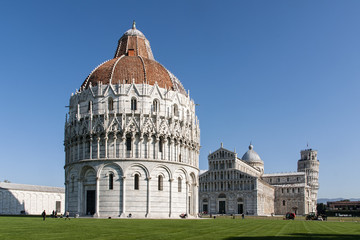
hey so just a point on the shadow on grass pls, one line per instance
(301, 236)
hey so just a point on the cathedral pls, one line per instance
(132, 139)
(234, 185)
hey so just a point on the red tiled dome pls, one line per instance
(133, 61)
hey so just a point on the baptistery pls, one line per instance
(132, 139)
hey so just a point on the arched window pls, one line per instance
(156, 105)
(180, 157)
(110, 104)
(283, 202)
(128, 143)
(179, 184)
(90, 106)
(136, 182)
(133, 104)
(111, 181)
(176, 110)
(160, 183)
(161, 145)
(222, 195)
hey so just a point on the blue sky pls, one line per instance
(278, 73)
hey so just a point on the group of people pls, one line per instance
(55, 215)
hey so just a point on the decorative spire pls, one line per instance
(134, 25)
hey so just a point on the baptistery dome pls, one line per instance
(133, 62)
(132, 139)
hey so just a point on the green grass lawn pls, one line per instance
(36, 228)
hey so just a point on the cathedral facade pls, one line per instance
(235, 185)
(132, 139)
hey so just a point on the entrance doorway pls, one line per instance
(240, 208)
(90, 202)
(222, 207)
(58, 206)
(205, 208)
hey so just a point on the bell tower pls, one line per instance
(310, 165)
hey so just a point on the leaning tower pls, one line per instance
(310, 165)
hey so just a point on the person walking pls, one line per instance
(43, 215)
(67, 215)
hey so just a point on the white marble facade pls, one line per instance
(132, 148)
(235, 185)
(17, 199)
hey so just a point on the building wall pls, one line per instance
(160, 138)
(16, 202)
(147, 201)
(265, 198)
(261, 194)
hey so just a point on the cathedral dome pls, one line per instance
(251, 155)
(133, 62)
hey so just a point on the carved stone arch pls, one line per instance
(115, 125)
(183, 171)
(73, 130)
(84, 127)
(163, 128)
(132, 126)
(176, 131)
(161, 166)
(148, 127)
(98, 126)
(187, 133)
(135, 89)
(136, 172)
(88, 175)
(84, 170)
(137, 165)
(193, 178)
(118, 171)
(71, 171)
(110, 91)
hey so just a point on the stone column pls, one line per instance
(70, 152)
(80, 196)
(171, 157)
(148, 147)
(187, 198)
(176, 151)
(115, 153)
(140, 146)
(148, 210)
(165, 149)
(170, 196)
(123, 197)
(84, 147)
(66, 195)
(124, 145)
(157, 148)
(78, 148)
(106, 145)
(132, 145)
(90, 146)
(98, 147)
(196, 199)
(97, 192)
